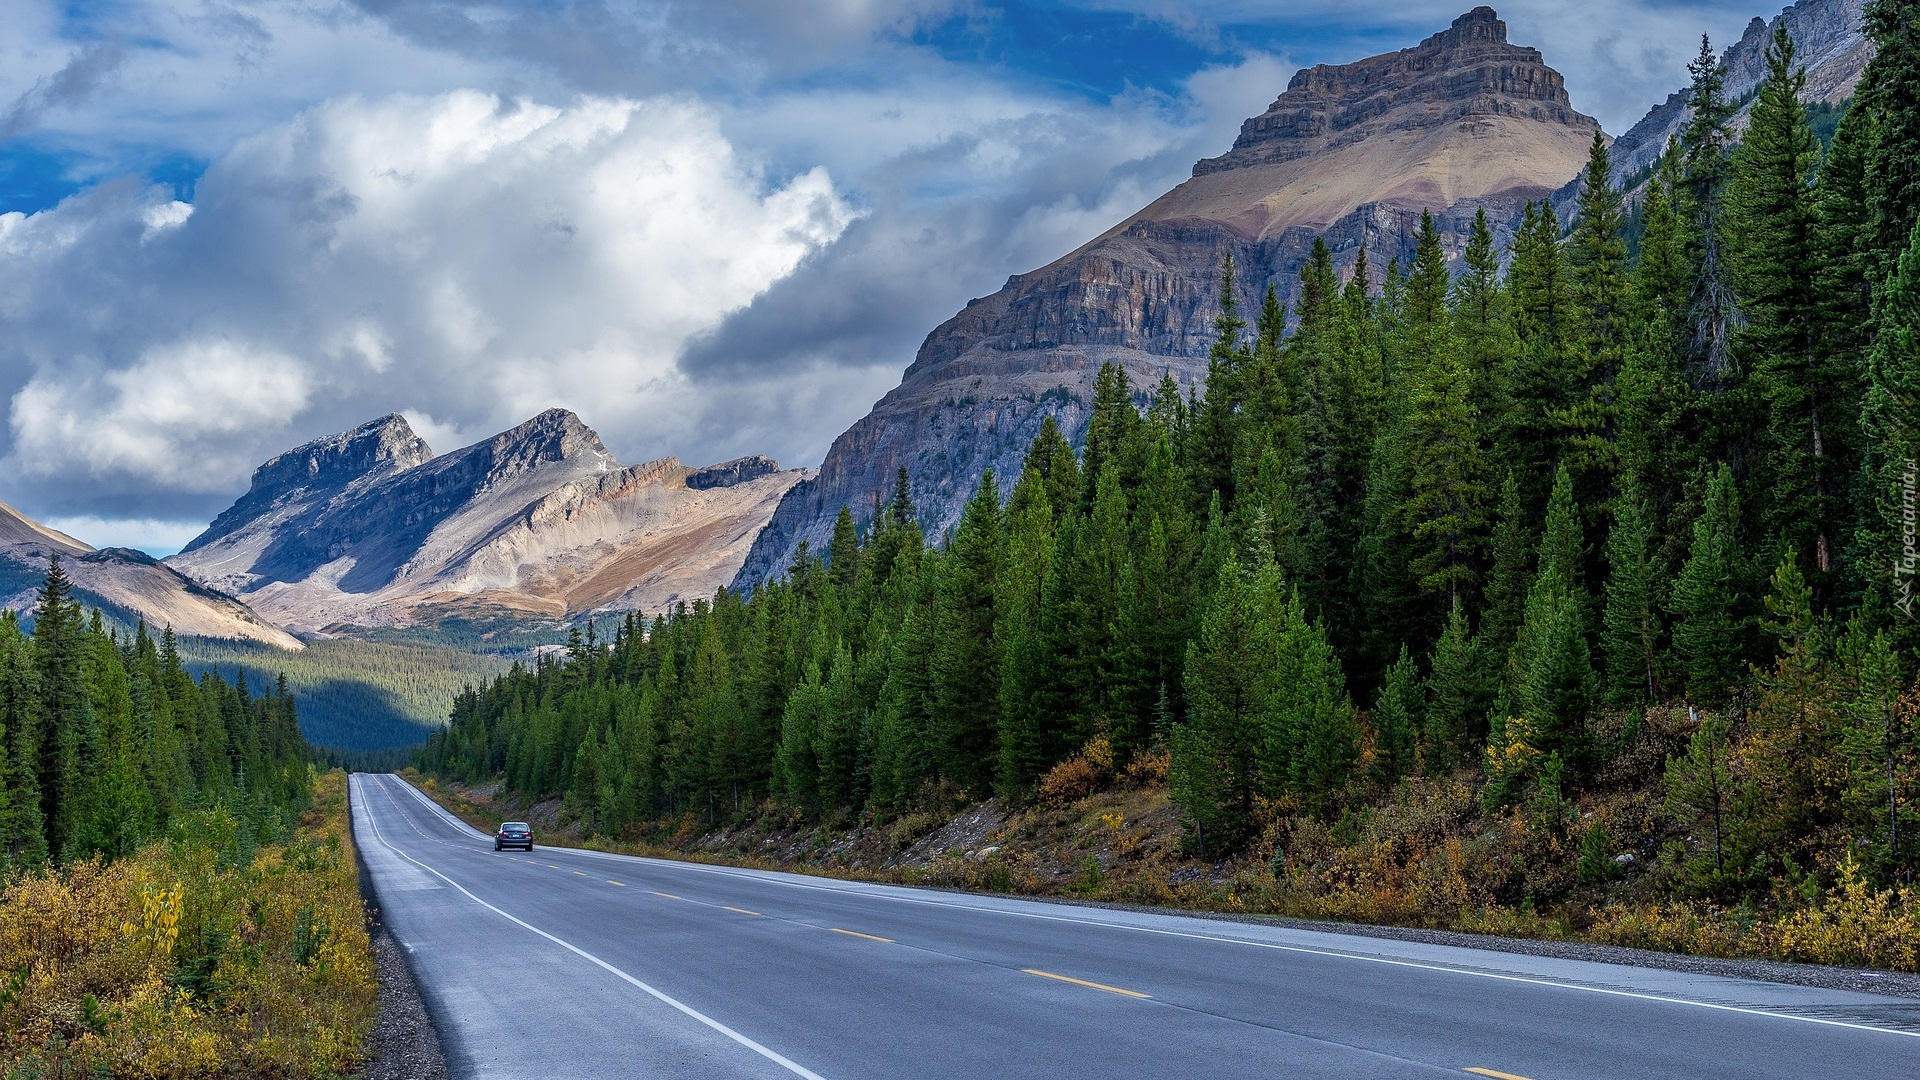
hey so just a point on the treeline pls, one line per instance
(355, 695)
(106, 739)
(1468, 524)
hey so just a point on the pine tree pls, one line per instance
(843, 557)
(1230, 670)
(1550, 669)
(1774, 262)
(1216, 426)
(1700, 785)
(1708, 627)
(1596, 263)
(1480, 327)
(965, 665)
(23, 839)
(1892, 166)
(1890, 420)
(1446, 503)
(1705, 141)
(1397, 719)
(1025, 669)
(1631, 629)
(1540, 388)
(1457, 696)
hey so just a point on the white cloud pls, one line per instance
(158, 537)
(471, 258)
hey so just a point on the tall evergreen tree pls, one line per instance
(1799, 465)
(1709, 626)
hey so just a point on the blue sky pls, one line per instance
(228, 226)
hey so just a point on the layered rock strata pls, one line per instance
(1352, 153)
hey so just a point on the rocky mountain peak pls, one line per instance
(728, 473)
(366, 454)
(384, 445)
(557, 435)
(1467, 70)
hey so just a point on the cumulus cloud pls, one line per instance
(712, 228)
(473, 258)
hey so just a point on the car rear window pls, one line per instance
(518, 826)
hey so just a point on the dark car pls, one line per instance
(513, 834)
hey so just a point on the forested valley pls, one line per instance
(1583, 572)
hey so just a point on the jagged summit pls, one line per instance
(323, 467)
(369, 527)
(1467, 70)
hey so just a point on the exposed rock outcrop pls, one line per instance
(370, 528)
(728, 473)
(1352, 152)
(1828, 43)
(127, 585)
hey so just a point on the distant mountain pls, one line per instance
(370, 528)
(1828, 41)
(1352, 152)
(127, 585)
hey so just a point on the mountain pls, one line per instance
(1828, 42)
(126, 585)
(370, 528)
(1352, 152)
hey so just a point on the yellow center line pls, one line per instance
(741, 910)
(856, 933)
(622, 884)
(1083, 982)
(668, 895)
(1495, 1073)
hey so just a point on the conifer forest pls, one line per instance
(1479, 522)
(106, 741)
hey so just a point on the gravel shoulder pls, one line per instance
(403, 1044)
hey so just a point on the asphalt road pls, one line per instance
(567, 963)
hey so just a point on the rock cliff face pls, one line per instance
(370, 528)
(128, 585)
(1352, 152)
(1828, 42)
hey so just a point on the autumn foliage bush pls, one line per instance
(199, 955)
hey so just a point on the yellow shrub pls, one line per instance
(92, 957)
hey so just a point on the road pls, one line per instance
(566, 963)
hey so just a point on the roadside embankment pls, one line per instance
(1417, 870)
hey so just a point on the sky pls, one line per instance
(710, 227)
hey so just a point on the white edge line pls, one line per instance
(771, 1055)
(1531, 980)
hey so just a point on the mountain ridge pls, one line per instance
(370, 527)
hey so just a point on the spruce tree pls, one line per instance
(1630, 630)
(965, 666)
(1775, 263)
(1709, 637)
(1705, 142)
(1397, 719)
